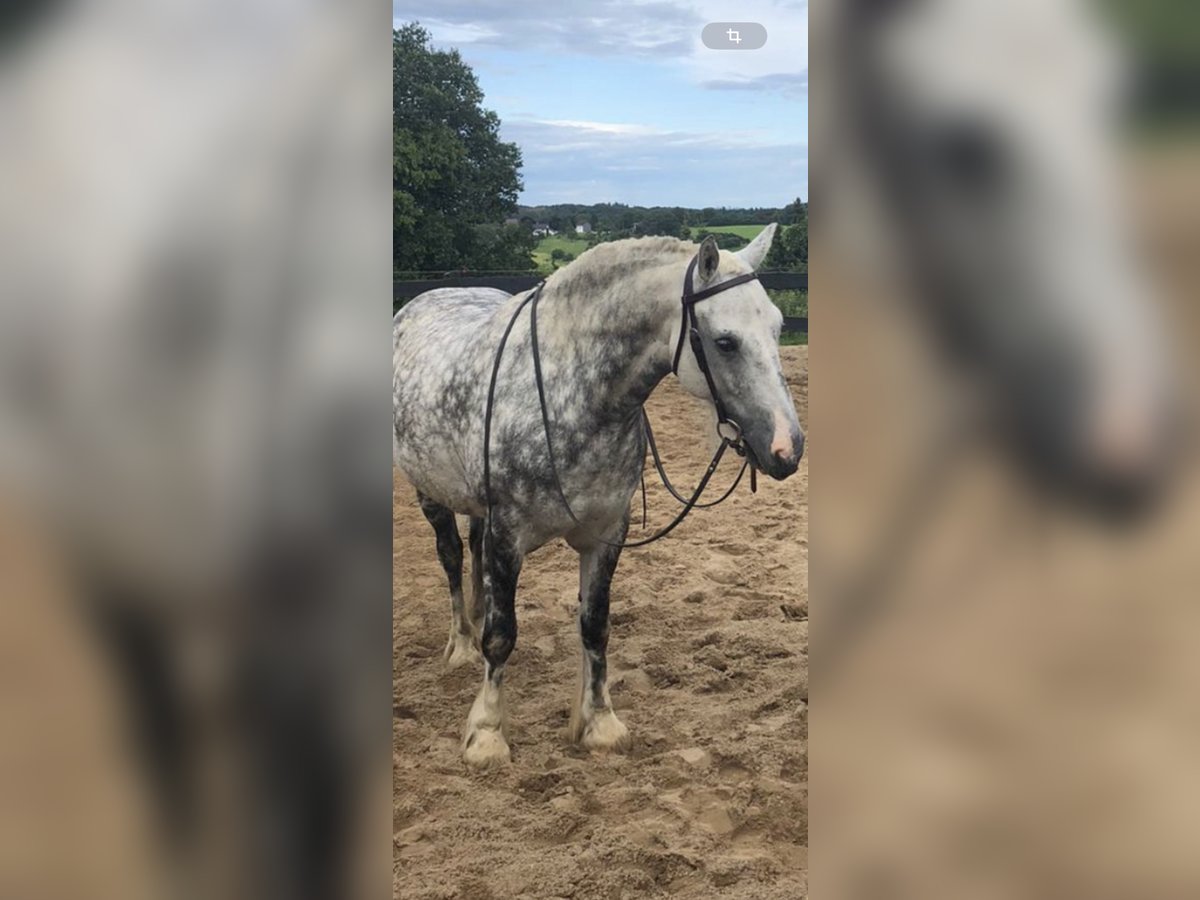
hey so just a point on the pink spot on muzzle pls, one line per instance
(782, 444)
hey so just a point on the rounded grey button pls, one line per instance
(733, 35)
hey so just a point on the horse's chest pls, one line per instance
(597, 480)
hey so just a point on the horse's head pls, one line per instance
(739, 329)
(989, 128)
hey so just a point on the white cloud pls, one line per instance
(556, 135)
(666, 30)
(635, 164)
(780, 65)
(654, 28)
(602, 127)
(456, 32)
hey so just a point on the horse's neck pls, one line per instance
(618, 340)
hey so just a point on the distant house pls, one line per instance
(541, 229)
(583, 228)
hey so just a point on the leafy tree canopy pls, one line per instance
(453, 178)
(789, 252)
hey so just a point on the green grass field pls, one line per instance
(547, 245)
(749, 232)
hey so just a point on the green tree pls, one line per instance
(1163, 37)
(789, 252)
(794, 213)
(500, 248)
(662, 222)
(452, 176)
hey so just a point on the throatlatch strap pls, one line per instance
(683, 313)
(702, 362)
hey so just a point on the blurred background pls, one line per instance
(1005, 226)
(194, 480)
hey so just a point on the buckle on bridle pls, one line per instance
(736, 441)
(739, 447)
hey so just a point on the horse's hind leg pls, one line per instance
(460, 647)
(475, 608)
(484, 743)
(593, 722)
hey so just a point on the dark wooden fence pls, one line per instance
(402, 291)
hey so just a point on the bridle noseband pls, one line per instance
(689, 327)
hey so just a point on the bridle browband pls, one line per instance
(689, 327)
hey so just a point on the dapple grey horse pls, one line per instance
(990, 196)
(607, 327)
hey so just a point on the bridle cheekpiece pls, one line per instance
(690, 327)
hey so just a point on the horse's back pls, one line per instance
(441, 331)
(453, 302)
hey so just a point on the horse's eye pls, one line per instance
(726, 344)
(970, 155)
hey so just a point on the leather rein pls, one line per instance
(689, 328)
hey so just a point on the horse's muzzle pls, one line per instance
(780, 462)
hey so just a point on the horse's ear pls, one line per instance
(709, 258)
(755, 252)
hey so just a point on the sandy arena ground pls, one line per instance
(708, 666)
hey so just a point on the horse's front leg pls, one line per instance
(593, 722)
(484, 743)
(475, 609)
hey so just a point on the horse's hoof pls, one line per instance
(460, 651)
(485, 748)
(605, 733)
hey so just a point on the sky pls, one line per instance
(619, 101)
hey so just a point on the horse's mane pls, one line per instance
(597, 269)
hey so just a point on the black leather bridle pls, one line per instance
(689, 327)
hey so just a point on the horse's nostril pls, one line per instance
(791, 454)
